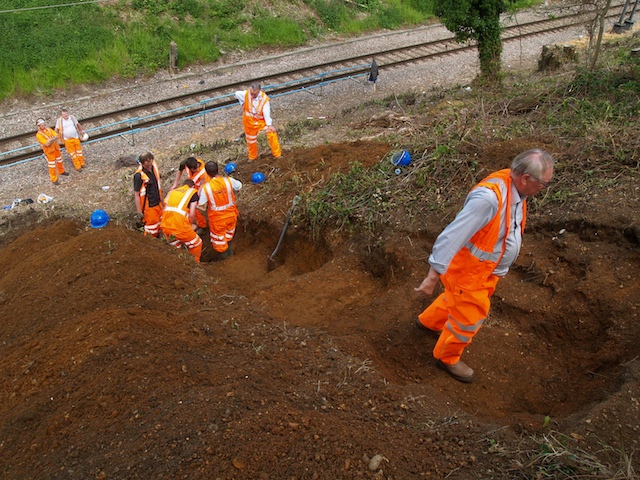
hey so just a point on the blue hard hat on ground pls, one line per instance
(401, 159)
(99, 218)
(230, 168)
(257, 177)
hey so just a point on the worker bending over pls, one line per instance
(178, 219)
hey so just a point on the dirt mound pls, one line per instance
(122, 358)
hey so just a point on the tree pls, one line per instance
(477, 20)
(595, 27)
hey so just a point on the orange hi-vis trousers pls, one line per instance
(179, 232)
(459, 314)
(222, 227)
(54, 162)
(152, 217)
(74, 149)
(201, 220)
(252, 127)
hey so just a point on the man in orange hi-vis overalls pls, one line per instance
(70, 132)
(474, 251)
(197, 173)
(219, 198)
(48, 139)
(178, 219)
(147, 194)
(256, 116)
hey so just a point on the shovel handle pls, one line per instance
(296, 199)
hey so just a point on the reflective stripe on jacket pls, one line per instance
(145, 179)
(177, 200)
(200, 176)
(220, 195)
(44, 137)
(476, 261)
(248, 105)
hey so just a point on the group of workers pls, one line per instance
(256, 117)
(179, 216)
(67, 132)
(469, 256)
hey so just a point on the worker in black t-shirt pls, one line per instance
(148, 194)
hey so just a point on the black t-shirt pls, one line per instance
(153, 194)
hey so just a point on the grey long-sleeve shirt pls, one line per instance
(479, 208)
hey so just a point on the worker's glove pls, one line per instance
(139, 220)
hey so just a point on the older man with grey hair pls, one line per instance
(474, 251)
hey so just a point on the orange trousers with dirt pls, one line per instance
(461, 310)
(458, 313)
(252, 127)
(178, 231)
(152, 217)
(222, 228)
(175, 223)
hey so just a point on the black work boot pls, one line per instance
(226, 254)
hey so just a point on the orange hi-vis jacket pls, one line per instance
(220, 195)
(176, 210)
(200, 177)
(145, 179)
(176, 224)
(52, 150)
(253, 117)
(472, 266)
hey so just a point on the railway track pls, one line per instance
(135, 119)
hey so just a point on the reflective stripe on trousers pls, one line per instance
(459, 314)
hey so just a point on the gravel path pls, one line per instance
(84, 190)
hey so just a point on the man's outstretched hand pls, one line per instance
(428, 285)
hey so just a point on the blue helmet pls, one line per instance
(99, 218)
(401, 159)
(230, 168)
(257, 177)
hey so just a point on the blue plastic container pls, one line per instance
(401, 159)
(257, 177)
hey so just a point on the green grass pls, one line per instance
(87, 43)
(56, 48)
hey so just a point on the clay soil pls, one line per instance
(124, 359)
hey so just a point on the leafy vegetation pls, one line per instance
(589, 117)
(479, 20)
(361, 197)
(476, 20)
(56, 47)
